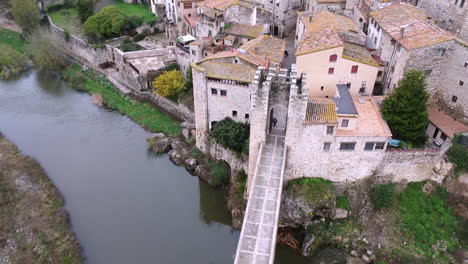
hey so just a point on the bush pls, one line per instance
(132, 22)
(232, 135)
(66, 36)
(47, 50)
(139, 37)
(26, 14)
(172, 66)
(241, 181)
(220, 171)
(169, 83)
(109, 22)
(85, 9)
(126, 47)
(427, 218)
(342, 202)
(382, 195)
(458, 155)
(12, 62)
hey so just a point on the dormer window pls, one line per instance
(333, 58)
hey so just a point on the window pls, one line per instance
(454, 99)
(331, 71)
(360, 19)
(234, 113)
(246, 116)
(330, 130)
(345, 123)
(443, 136)
(440, 52)
(214, 91)
(187, 5)
(375, 40)
(236, 61)
(398, 47)
(213, 124)
(380, 145)
(354, 69)
(462, 3)
(322, 87)
(223, 93)
(326, 146)
(461, 83)
(379, 74)
(333, 58)
(369, 146)
(466, 64)
(193, 52)
(347, 146)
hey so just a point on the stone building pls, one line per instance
(404, 38)
(336, 45)
(188, 13)
(222, 83)
(283, 15)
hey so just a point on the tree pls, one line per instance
(47, 50)
(26, 14)
(85, 9)
(169, 83)
(11, 62)
(232, 135)
(405, 109)
(107, 23)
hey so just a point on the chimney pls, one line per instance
(402, 32)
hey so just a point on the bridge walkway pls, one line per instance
(258, 236)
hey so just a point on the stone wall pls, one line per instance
(236, 162)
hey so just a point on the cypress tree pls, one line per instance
(405, 109)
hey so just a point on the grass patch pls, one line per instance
(428, 219)
(139, 10)
(68, 20)
(126, 47)
(314, 190)
(144, 114)
(12, 39)
(458, 154)
(221, 172)
(342, 202)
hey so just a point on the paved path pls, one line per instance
(258, 236)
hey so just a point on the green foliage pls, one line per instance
(169, 83)
(145, 114)
(126, 47)
(427, 218)
(314, 190)
(66, 36)
(26, 14)
(139, 10)
(109, 22)
(189, 83)
(241, 183)
(85, 9)
(232, 135)
(382, 195)
(12, 39)
(405, 108)
(132, 22)
(139, 37)
(47, 50)
(342, 202)
(220, 171)
(458, 154)
(68, 20)
(172, 66)
(12, 62)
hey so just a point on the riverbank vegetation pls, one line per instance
(47, 50)
(12, 62)
(458, 155)
(12, 39)
(26, 14)
(34, 227)
(145, 114)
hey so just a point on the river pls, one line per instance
(126, 204)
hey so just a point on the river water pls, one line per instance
(126, 204)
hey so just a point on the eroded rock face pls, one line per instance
(162, 145)
(340, 213)
(310, 245)
(202, 171)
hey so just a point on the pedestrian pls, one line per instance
(275, 121)
(286, 53)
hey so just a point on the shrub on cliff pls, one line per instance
(458, 155)
(405, 109)
(26, 14)
(109, 22)
(232, 135)
(221, 172)
(316, 191)
(169, 83)
(382, 195)
(11, 62)
(85, 9)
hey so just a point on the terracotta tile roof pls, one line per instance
(228, 71)
(330, 1)
(266, 46)
(418, 31)
(324, 32)
(321, 111)
(192, 20)
(243, 30)
(370, 122)
(304, 16)
(445, 123)
(358, 53)
(222, 5)
(247, 56)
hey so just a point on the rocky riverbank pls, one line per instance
(317, 214)
(34, 227)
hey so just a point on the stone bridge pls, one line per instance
(258, 236)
